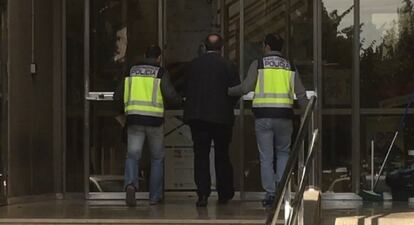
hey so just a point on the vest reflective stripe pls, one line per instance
(131, 103)
(274, 88)
(272, 105)
(144, 113)
(142, 96)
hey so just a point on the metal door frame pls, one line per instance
(4, 119)
(86, 70)
(93, 96)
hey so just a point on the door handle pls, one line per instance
(100, 96)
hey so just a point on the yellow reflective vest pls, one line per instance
(275, 83)
(142, 92)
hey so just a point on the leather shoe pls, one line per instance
(268, 201)
(202, 201)
(155, 202)
(130, 196)
(223, 201)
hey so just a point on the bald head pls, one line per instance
(214, 42)
(213, 38)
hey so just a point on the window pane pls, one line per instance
(337, 37)
(379, 131)
(386, 52)
(120, 33)
(337, 41)
(293, 21)
(117, 41)
(336, 154)
(258, 15)
(300, 42)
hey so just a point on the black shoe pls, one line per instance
(202, 201)
(223, 201)
(268, 201)
(155, 202)
(130, 196)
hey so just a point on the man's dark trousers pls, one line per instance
(203, 133)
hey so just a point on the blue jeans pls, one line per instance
(155, 138)
(274, 140)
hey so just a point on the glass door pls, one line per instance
(337, 56)
(293, 21)
(186, 24)
(116, 36)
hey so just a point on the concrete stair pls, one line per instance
(130, 221)
(367, 213)
(401, 219)
(175, 210)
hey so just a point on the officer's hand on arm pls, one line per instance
(168, 91)
(248, 84)
(300, 93)
(119, 103)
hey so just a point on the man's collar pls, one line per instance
(150, 61)
(212, 51)
(274, 53)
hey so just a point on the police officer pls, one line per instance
(274, 84)
(143, 94)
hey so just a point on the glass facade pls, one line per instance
(386, 83)
(385, 86)
(293, 21)
(337, 55)
(121, 30)
(386, 53)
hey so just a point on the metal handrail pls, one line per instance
(301, 190)
(291, 163)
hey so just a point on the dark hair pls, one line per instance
(213, 42)
(274, 41)
(153, 51)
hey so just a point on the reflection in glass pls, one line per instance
(337, 41)
(118, 41)
(336, 154)
(386, 52)
(187, 25)
(106, 183)
(300, 40)
(378, 132)
(337, 37)
(108, 68)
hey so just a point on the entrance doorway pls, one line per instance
(111, 35)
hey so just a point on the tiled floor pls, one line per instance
(173, 210)
(181, 210)
(367, 213)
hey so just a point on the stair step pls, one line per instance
(130, 221)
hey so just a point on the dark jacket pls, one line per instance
(167, 90)
(207, 79)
